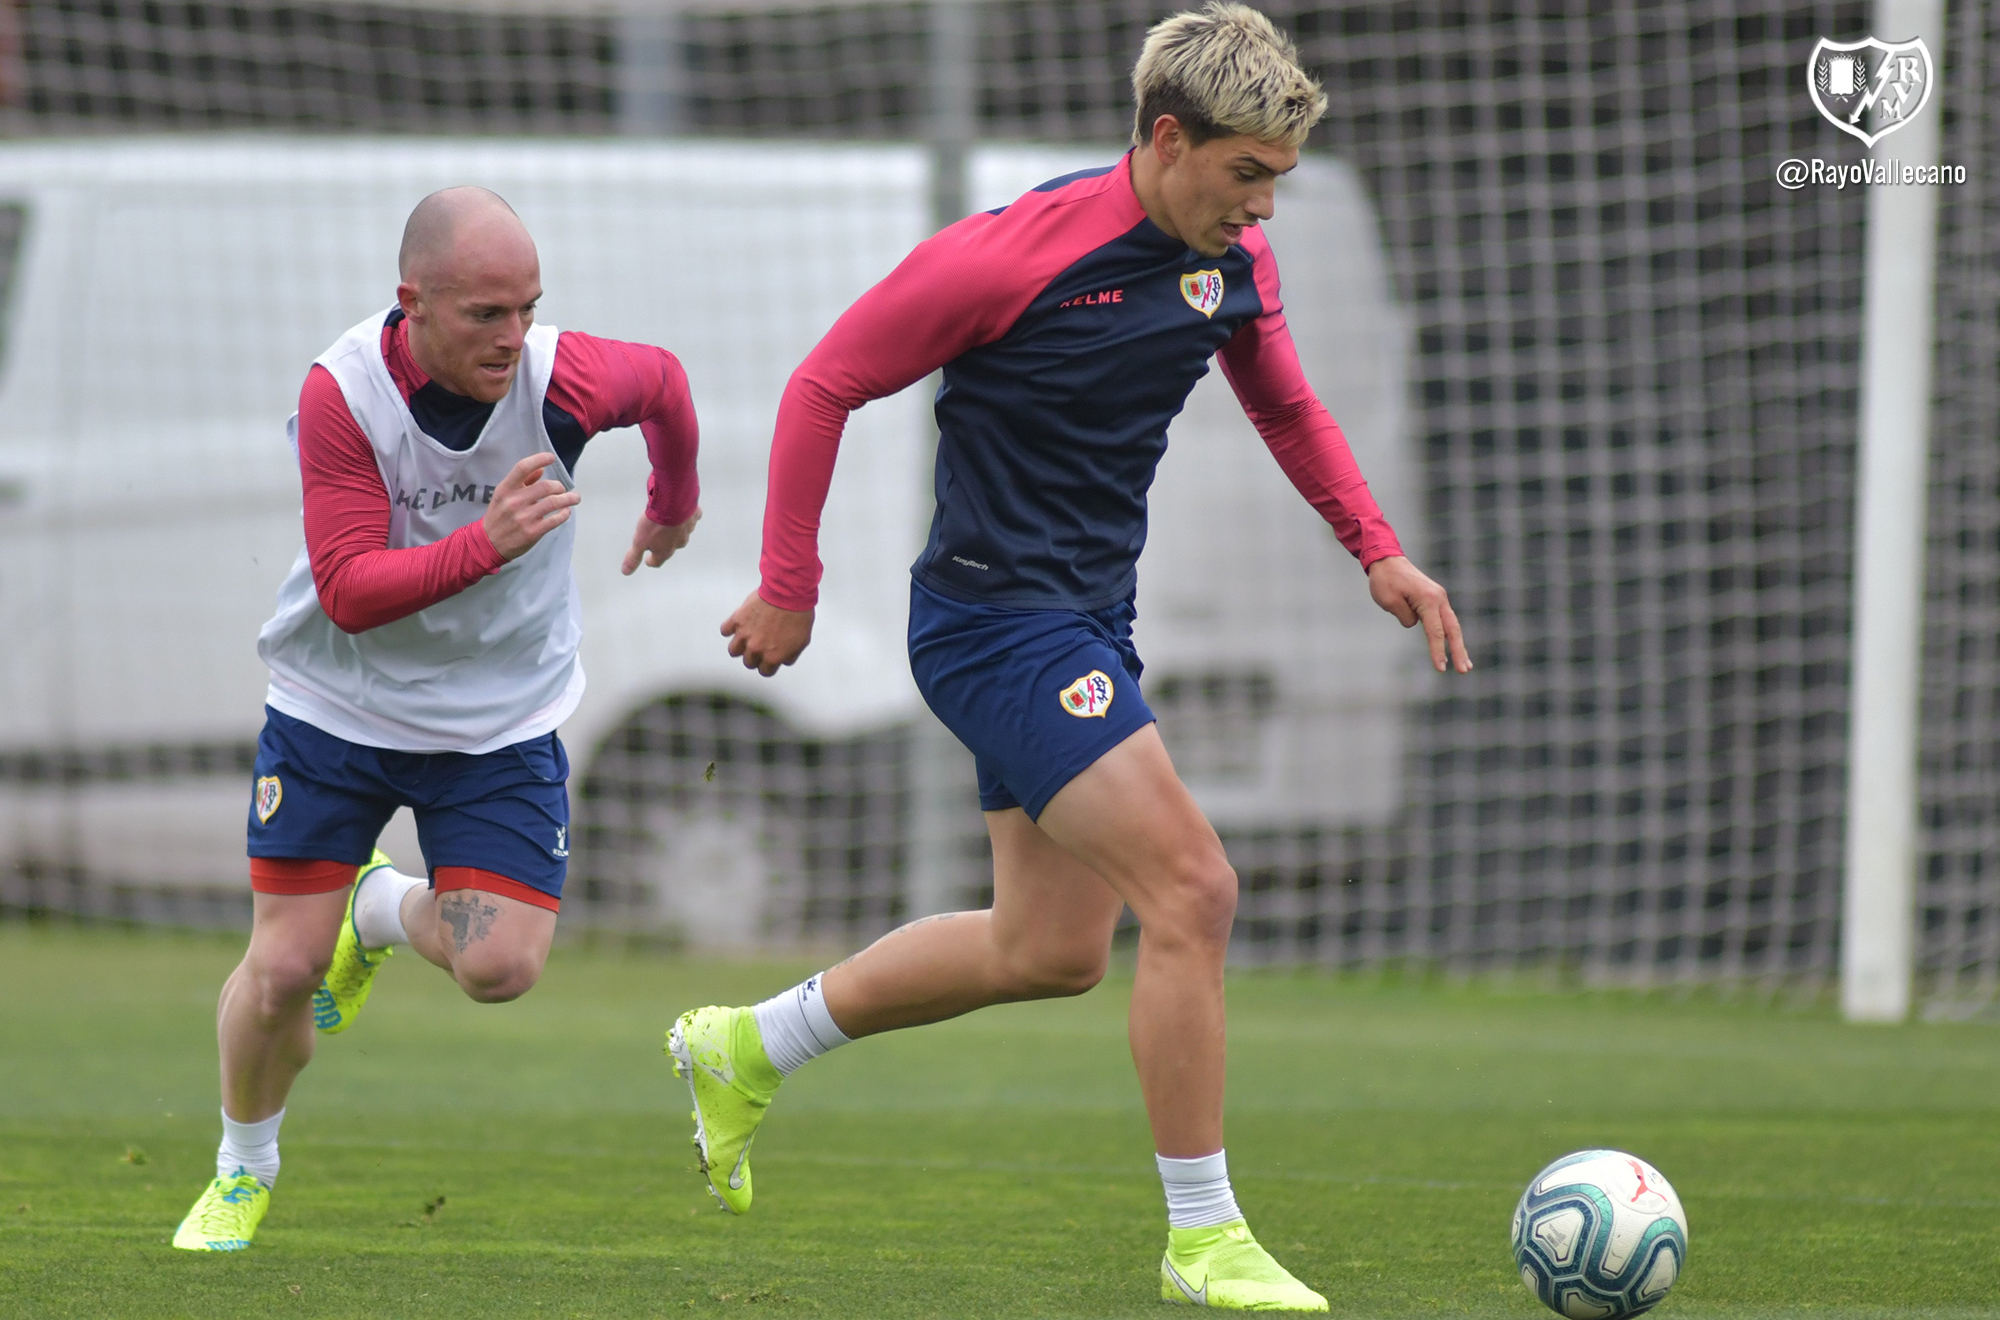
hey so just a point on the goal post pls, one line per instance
(942, 777)
(1877, 911)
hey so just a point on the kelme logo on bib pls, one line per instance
(1203, 291)
(1088, 696)
(269, 794)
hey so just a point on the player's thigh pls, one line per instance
(291, 940)
(1037, 696)
(1052, 914)
(504, 815)
(314, 798)
(1129, 818)
(493, 937)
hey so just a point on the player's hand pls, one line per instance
(1398, 587)
(525, 507)
(655, 543)
(766, 636)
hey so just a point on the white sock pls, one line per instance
(378, 907)
(1198, 1194)
(796, 1026)
(249, 1148)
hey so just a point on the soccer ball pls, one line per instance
(1600, 1235)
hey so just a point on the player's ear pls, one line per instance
(410, 299)
(1169, 139)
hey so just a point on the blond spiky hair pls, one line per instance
(1223, 70)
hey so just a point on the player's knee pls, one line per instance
(497, 980)
(1199, 907)
(284, 977)
(1057, 973)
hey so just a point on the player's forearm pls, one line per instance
(807, 441)
(363, 589)
(1262, 366)
(1313, 451)
(674, 488)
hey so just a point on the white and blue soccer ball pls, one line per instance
(1600, 1235)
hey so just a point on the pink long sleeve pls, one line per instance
(941, 301)
(963, 287)
(1262, 366)
(607, 383)
(361, 583)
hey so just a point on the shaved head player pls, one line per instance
(1070, 327)
(423, 653)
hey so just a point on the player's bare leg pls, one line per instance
(495, 947)
(1129, 818)
(1048, 934)
(1123, 831)
(264, 1031)
(264, 1023)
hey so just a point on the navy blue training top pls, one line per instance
(1070, 329)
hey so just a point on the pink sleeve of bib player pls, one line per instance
(606, 383)
(963, 287)
(1262, 366)
(363, 584)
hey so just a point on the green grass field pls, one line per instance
(443, 1159)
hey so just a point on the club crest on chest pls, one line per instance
(1203, 290)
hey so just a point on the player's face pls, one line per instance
(469, 317)
(1224, 186)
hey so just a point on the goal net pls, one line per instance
(1628, 398)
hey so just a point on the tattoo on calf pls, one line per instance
(469, 916)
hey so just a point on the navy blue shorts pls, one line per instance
(1038, 695)
(322, 798)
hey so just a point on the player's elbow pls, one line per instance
(1293, 424)
(349, 625)
(818, 390)
(343, 613)
(674, 379)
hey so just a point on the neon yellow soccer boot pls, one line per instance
(226, 1216)
(720, 1053)
(340, 996)
(1224, 1267)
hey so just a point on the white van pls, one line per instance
(167, 295)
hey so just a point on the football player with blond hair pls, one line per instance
(1069, 327)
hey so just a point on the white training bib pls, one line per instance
(493, 665)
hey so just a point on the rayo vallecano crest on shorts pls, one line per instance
(1203, 290)
(1088, 696)
(1857, 84)
(267, 797)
